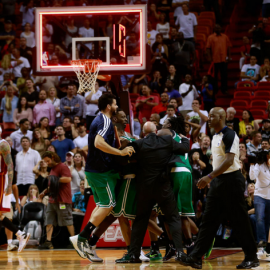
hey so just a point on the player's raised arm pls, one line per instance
(5, 150)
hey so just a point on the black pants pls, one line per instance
(89, 120)
(221, 68)
(147, 197)
(226, 197)
(23, 189)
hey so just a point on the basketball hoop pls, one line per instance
(87, 72)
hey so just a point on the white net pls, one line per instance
(87, 72)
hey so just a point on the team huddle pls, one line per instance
(138, 180)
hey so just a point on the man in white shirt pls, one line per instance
(22, 132)
(151, 34)
(82, 140)
(86, 31)
(177, 4)
(251, 72)
(26, 160)
(201, 115)
(18, 62)
(90, 105)
(188, 24)
(188, 92)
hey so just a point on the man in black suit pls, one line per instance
(154, 155)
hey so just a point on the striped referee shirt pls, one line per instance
(225, 141)
(98, 161)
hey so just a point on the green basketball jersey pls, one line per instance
(131, 167)
(184, 158)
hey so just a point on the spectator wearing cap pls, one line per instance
(69, 159)
(265, 144)
(170, 112)
(219, 51)
(162, 106)
(230, 113)
(8, 35)
(43, 109)
(188, 24)
(26, 160)
(265, 130)
(255, 144)
(188, 92)
(62, 144)
(82, 140)
(23, 131)
(199, 114)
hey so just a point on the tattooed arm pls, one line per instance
(5, 151)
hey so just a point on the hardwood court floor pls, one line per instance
(69, 260)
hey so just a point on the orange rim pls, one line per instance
(105, 78)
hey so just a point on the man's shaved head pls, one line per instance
(164, 131)
(217, 117)
(220, 111)
(149, 127)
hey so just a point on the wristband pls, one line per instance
(210, 176)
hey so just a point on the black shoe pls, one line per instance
(185, 260)
(170, 254)
(46, 245)
(248, 264)
(128, 259)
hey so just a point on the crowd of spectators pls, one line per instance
(44, 114)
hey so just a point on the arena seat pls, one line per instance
(239, 103)
(245, 84)
(259, 104)
(263, 85)
(243, 95)
(258, 113)
(208, 15)
(206, 22)
(202, 29)
(262, 94)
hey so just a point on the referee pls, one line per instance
(225, 197)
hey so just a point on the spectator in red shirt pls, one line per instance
(62, 206)
(145, 103)
(162, 106)
(218, 48)
(245, 52)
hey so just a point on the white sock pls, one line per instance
(9, 241)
